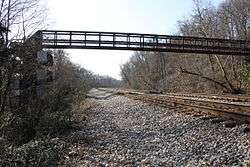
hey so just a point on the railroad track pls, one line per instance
(226, 98)
(231, 107)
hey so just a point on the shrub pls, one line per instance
(36, 153)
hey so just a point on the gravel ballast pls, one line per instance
(124, 132)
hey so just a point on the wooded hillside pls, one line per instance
(197, 73)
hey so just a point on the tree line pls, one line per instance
(68, 74)
(171, 72)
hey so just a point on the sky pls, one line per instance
(135, 16)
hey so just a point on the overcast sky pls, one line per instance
(138, 16)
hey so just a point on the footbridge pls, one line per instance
(52, 39)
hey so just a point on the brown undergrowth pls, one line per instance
(40, 135)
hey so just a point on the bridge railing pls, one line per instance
(142, 42)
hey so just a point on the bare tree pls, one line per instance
(197, 73)
(219, 23)
(18, 19)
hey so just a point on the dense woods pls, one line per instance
(197, 73)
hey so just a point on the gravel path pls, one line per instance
(124, 132)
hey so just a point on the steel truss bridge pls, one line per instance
(140, 42)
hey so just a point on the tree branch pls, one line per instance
(204, 77)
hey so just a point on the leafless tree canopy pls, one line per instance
(18, 19)
(21, 17)
(197, 73)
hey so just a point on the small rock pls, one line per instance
(246, 130)
(217, 120)
(230, 124)
(73, 153)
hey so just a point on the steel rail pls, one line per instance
(229, 98)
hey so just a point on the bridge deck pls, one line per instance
(142, 42)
